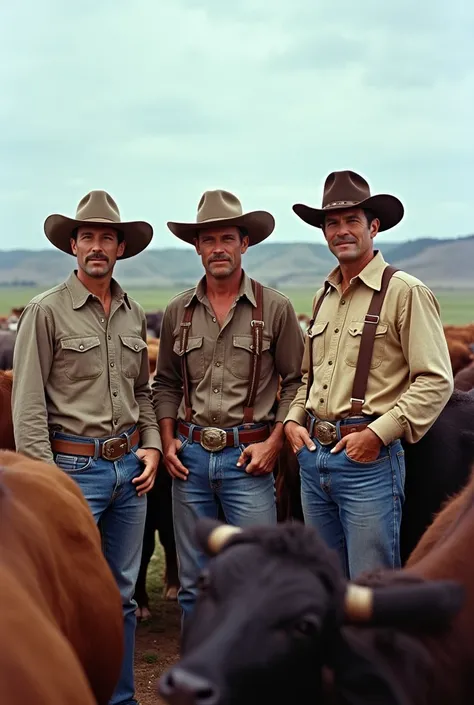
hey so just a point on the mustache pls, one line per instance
(102, 258)
(343, 240)
(219, 259)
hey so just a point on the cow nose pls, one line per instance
(180, 687)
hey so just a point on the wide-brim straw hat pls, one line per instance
(219, 207)
(346, 189)
(98, 208)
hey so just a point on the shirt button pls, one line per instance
(321, 401)
(115, 393)
(343, 302)
(112, 364)
(102, 320)
(336, 330)
(214, 418)
(109, 337)
(216, 391)
(214, 319)
(115, 422)
(325, 386)
(330, 362)
(81, 347)
(136, 347)
(218, 364)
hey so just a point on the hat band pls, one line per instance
(100, 220)
(340, 203)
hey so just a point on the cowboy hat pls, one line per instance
(98, 208)
(346, 189)
(223, 208)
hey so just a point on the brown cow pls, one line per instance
(61, 620)
(7, 440)
(464, 379)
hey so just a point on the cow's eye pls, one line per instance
(307, 626)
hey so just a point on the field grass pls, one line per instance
(457, 307)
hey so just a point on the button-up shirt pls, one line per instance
(80, 372)
(410, 378)
(219, 360)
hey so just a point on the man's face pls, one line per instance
(221, 250)
(97, 248)
(348, 234)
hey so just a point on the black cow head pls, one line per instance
(270, 624)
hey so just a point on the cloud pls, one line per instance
(157, 102)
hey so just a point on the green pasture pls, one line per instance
(457, 307)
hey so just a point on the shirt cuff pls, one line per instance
(298, 414)
(150, 438)
(387, 428)
(166, 410)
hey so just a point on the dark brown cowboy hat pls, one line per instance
(98, 208)
(220, 207)
(346, 189)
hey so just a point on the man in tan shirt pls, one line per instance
(217, 379)
(349, 448)
(81, 397)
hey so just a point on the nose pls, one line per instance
(180, 687)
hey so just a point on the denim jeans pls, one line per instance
(356, 507)
(245, 500)
(120, 514)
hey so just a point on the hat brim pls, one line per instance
(137, 234)
(259, 224)
(388, 209)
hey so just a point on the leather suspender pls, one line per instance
(257, 326)
(364, 359)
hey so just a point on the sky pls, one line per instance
(158, 101)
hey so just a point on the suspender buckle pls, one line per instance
(369, 318)
(254, 323)
(353, 399)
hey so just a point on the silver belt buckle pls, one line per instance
(213, 439)
(325, 432)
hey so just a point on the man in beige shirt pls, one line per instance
(347, 435)
(224, 347)
(81, 397)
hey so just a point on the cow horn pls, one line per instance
(358, 603)
(220, 535)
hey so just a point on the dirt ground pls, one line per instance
(157, 640)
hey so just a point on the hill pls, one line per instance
(441, 264)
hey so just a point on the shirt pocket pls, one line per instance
(131, 355)
(242, 356)
(317, 336)
(194, 356)
(82, 357)
(353, 343)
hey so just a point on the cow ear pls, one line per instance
(212, 535)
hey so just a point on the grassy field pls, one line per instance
(457, 307)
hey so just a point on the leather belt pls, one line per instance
(214, 439)
(326, 432)
(111, 449)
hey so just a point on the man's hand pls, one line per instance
(262, 456)
(362, 446)
(173, 464)
(150, 457)
(298, 436)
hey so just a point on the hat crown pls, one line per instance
(218, 205)
(98, 205)
(343, 188)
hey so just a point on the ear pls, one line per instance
(212, 535)
(121, 248)
(374, 227)
(73, 244)
(245, 244)
(196, 245)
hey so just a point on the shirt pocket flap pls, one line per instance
(245, 342)
(133, 342)
(194, 343)
(317, 329)
(357, 327)
(80, 344)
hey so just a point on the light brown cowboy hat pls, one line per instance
(223, 208)
(346, 189)
(100, 208)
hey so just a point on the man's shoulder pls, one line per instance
(47, 299)
(276, 296)
(179, 301)
(404, 280)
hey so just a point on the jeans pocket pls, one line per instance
(382, 456)
(72, 463)
(184, 442)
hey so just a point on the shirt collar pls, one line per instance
(371, 275)
(80, 294)
(245, 289)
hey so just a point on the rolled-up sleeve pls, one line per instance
(288, 356)
(32, 360)
(431, 378)
(167, 386)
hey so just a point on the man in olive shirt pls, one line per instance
(352, 470)
(230, 430)
(81, 396)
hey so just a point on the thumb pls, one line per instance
(243, 457)
(339, 445)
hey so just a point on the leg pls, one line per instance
(164, 523)
(371, 497)
(148, 547)
(95, 478)
(192, 498)
(319, 506)
(122, 534)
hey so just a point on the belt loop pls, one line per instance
(312, 421)
(96, 448)
(236, 436)
(129, 441)
(338, 430)
(192, 426)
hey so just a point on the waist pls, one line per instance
(110, 448)
(215, 439)
(330, 431)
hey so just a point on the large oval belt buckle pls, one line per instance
(325, 432)
(213, 439)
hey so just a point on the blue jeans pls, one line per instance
(245, 500)
(356, 507)
(120, 514)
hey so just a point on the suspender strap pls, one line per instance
(367, 344)
(318, 305)
(183, 344)
(257, 325)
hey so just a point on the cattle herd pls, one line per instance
(275, 621)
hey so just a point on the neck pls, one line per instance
(349, 270)
(224, 288)
(100, 287)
